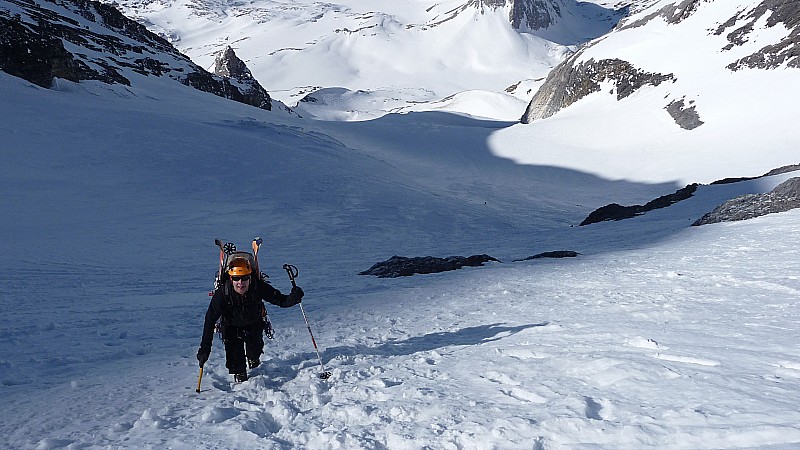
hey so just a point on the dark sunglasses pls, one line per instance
(240, 278)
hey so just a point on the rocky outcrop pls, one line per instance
(32, 44)
(782, 170)
(400, 266)
(784, 197)
(39, 58)
(228, 65)
(79, 40)
(553, 254)
(686, 118)
(616, 211)
(534, 14)
(786, 51)
(672, 13)
(571, 81)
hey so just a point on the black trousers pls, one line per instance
(242, 343)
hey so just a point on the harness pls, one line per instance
(245, 306)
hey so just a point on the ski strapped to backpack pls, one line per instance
(268, 331)
(227, 253)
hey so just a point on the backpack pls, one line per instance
(228, 253)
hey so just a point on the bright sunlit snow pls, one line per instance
(657, 335)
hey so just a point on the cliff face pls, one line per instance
(79, 40)
(534, 14)
(570, 82)
(229, 66)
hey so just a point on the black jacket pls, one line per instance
(241, 310)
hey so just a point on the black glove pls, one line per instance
(296, 295)
(202, 356)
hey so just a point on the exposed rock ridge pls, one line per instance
(615, 211)
(673, 13)
(787, 51)
(784, 197)
(568, 83)
(401, 266)
(524, 14)
(552, 254)
(32, 47)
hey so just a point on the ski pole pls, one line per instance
(199, 379)
(292, 272)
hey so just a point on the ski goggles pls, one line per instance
(240, 278)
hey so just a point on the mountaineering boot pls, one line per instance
(240, 377)
(253, 363)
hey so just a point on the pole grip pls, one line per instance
(292, 272)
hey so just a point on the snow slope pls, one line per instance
(657, 335)
(744, 112)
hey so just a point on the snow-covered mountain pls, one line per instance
(656, 334)
(687, 79)
(753, 36)
(386, 55)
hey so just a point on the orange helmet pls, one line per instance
(239, 267)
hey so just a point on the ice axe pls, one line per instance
(292, 272)
(199, 380)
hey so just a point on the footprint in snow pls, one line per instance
(593, 409)
(218, 414)
(787, 369)
(687, 359)
(513, 389)
(524, 396)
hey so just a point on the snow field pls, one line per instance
(680, 344)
